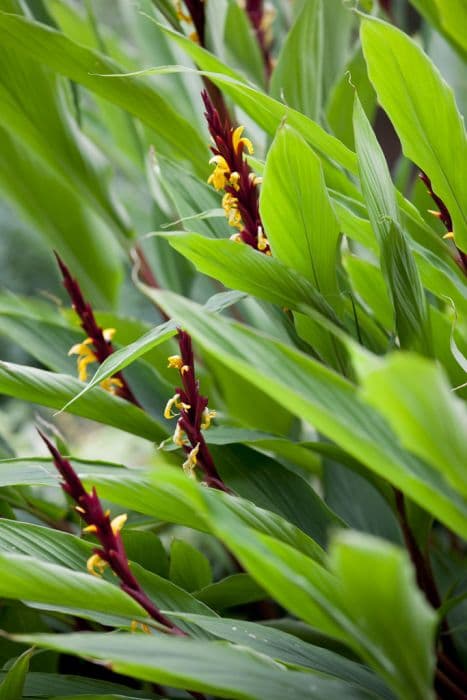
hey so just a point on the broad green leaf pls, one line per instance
(423, 110)
(241, 46)
(165, 492)
(55, 587)
(189, 568)
(298, 75)
(415, 397)
(332, 404)
(11, 688)
(269, 485)
(94, 255)
(388, 606)
(447, 18)
(87, 67)
(55, 390)
(397, 263)
(211, 667)
(291, 650)
(241, 267)
(41, 123)
(236, 589)
(69, 552)
(300, 224)
(302, 228)
(47, 685)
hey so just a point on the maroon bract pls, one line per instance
(194, 416)
(234, 177)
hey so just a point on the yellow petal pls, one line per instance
(449, 236)
(175, 362)
(108, 333)
(118, 522)
(96, 565)
(191, 461)
(90, 528)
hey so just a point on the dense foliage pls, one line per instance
(247, 360)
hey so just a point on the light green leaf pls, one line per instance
(388, 606)
(300, 223)
(55, 587)
(212, 667)
(189, 568)
(415, 397)
(290, 650)
(397, 262)
(55, 390)
(298, 75)
(87, 67)
(12, 686)
(424, 113)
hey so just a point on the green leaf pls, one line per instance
(55, 587)
(241, 267)
(210, 667)
(229, 592)
(269, 485)
(300, 223)
(327, 401)
(12, 686)
(241, 46)
(298, 75)
(189, 568)
(87, 67)
(46, 685)
(388, 606)
(397, 262)
(415, 397)
(55, 390)
(424, 113)
(291, 650)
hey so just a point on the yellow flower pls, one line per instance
(206, 418)
(111, 384)
(234, 179)
(135, 626)
(86, 357)
(239, 140)
(262, 240)
(181, 15)
(179, 436)
(229, 203)
(221, 174)
(236, 237)
(96, 565)
(176, 362)
(108, 334)
(449, 236)
(118, 522)
(191, 461)
(175, 401)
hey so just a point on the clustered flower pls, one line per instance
(193, 416)
(97, 347)
(111, 552)
(233, 175)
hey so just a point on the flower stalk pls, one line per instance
(111, 551)
(194, 416)
(98, 345)
(234, 177)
